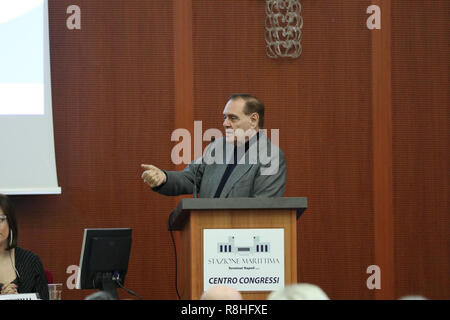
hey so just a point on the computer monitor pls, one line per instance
(104, 259)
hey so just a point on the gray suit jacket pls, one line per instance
(261, 172)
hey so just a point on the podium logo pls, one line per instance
(231, 247)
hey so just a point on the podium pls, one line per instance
(246, 243)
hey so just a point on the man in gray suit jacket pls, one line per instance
(244, 163)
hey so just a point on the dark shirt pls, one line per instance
(229, 169)
(31, 276)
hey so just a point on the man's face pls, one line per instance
(238, 126)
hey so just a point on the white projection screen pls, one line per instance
(27, 152)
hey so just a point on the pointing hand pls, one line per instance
(152, 175)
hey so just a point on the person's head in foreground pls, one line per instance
(100, 295)
(413, 297)
(221, 293)
(300, 291)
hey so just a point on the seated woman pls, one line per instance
(21, 271)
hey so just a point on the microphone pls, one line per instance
(195, 181)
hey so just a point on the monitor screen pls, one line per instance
(104, 259)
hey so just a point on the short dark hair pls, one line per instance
(252, 104)
(9, 212)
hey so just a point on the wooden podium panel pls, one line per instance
(191, 240)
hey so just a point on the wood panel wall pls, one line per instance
(420, 153)
(137, 70)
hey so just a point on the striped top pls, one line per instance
(31, 276)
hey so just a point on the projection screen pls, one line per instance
(27, 152)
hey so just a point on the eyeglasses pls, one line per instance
(3, 219)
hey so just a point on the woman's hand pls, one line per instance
(10, 288)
